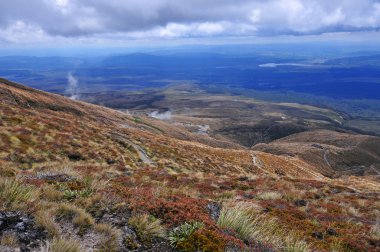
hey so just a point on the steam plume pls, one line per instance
(72, 89)
(167, 115)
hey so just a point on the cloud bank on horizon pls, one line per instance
(49, 21)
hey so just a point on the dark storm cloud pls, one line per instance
(183, 18)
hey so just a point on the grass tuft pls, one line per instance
(48, 192)
(45, 219)
(62, 245)
(110, 237)
(147, 227)
(77, 215)
(269, 196)
(14, 195)
(249, 225)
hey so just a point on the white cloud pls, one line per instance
(255, 16)
(19, 32)
(334, 18)
(210, 28)
(88, 20)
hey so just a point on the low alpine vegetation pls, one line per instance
(147, 227)
(62, 245)
(45, 219)
(15, 195)
(269, 196)
(110, 237)
(183, 232)
(242, 219)
(251, 226)
(77, 215)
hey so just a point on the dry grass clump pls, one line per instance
(293, 244)
(147, 227)
(45, 219)
(99, 203)
(269, 196)
(110, 237)
(77, 215)
(48, 192)
(7, 171)
(243, 219)
(226, 195)
(9, 240)
(250, 225)
(62, 245)
(14, 195)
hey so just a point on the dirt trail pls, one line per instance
(326, 158)
(258, 163)
(142, 154)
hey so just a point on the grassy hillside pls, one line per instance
(80, 177)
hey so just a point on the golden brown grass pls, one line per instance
(79, 217)
(48, 192)
(269, 196)
(14, 195)
(45, 219)
(147, 227)
(62, 245)
(110, 239)
(245, 219)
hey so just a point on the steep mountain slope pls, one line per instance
(38, 127)
(333, 152)
(324, 143)
(89, 178)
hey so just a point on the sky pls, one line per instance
(34, 23)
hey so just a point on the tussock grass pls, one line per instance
(336, 246)
(110, 237)
(226, 195)
(48, 192)
(62, 245)
(293, 244)
(45, 219)
(147, 227)
(7, 171)
(250, 225)
(78, 216)
(241, 218)
(14, 195)
(98, 203)
(269, 196)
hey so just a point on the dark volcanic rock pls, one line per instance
(214, 210)
(318, 235)
(75, 156)
(331, 231)
(300, 202)
(58, 177)
(24, 228)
